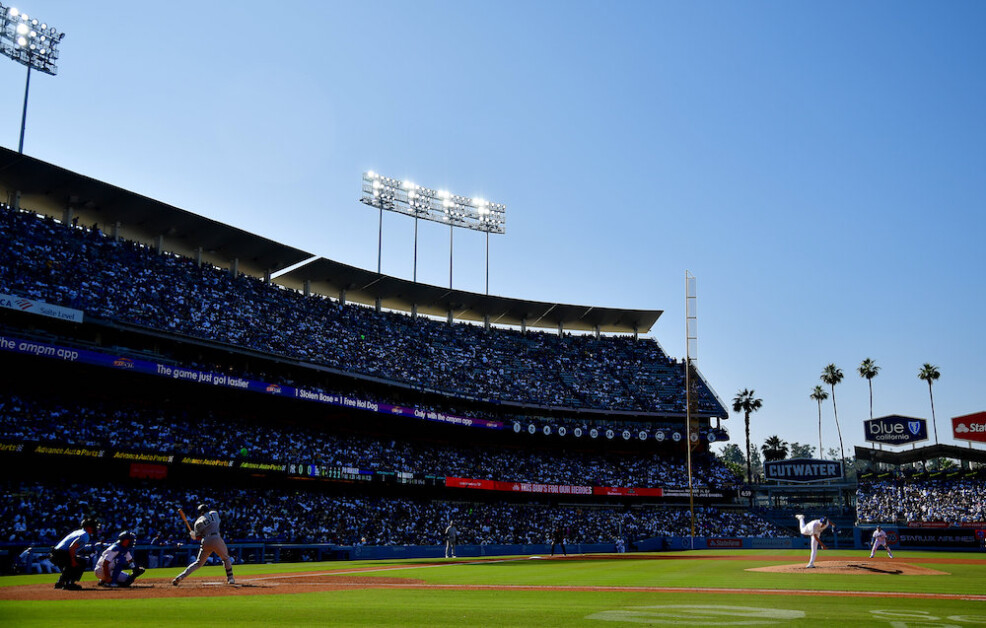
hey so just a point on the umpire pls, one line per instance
(66, 555)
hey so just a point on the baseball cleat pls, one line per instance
(230, 581)
(175, 582)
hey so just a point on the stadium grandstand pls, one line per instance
(155, 356)
(158, 359)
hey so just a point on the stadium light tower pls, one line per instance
(404, 197)
(29, 41)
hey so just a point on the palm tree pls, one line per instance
(931, 374)
(869, 370)
(746, 402)
(832, 375)
(819, 395)
(774, 449)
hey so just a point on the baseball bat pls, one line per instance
(185, 519)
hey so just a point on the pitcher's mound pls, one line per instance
(858, 567)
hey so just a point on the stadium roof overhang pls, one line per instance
(922, 454)
(57, 192)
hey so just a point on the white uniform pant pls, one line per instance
(105, 573)
(213, 544)
(877, 545)
(806, 530)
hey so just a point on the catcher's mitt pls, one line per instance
(138, 570)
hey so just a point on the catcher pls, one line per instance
(115, 559)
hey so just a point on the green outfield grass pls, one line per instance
(544, 607)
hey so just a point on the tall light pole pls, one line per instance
(29, 41)
(405, 197)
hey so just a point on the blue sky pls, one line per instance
(820, 167)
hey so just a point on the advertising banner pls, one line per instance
(40, 308)
(554, 489)
(222, 380)
(725, 544)
(938, 537)
(700, 492)
(772, 543)
(627, 491)
(896, 430)
(800, 470)
(970, 427)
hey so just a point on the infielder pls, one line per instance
(67, 555)
(813, 529)
(116, 558)
(206, 529)
(880, 538)
(451, 536)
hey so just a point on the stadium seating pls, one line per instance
(127, 282)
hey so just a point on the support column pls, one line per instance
(198, 257)
(159, 244)
(235, 268)
(308, 287)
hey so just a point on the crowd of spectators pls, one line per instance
(124, 281)
(39, 514)
(901, 500)
(225, 434)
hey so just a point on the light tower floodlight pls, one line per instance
(31, 42)
(405, 197)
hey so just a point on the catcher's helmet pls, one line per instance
(127, 536)
(202, 509)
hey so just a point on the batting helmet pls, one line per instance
(202, 509)
(824, 520)
(88, 523)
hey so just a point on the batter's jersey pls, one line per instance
(207, 524)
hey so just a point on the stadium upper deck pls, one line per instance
(131, 282)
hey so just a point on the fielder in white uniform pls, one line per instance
(880, 538)
(813, 529)
(206, 529)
